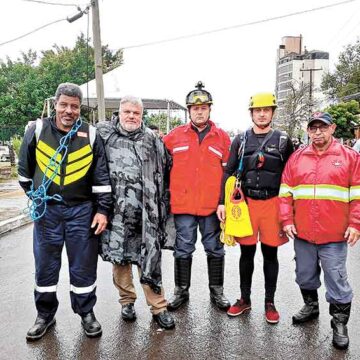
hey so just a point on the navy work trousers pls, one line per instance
(186, 235)
(70, 225)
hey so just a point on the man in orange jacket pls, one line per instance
(200, 150)
(320, 210)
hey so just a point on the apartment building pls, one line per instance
(296, 66)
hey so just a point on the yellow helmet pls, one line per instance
(262, 100)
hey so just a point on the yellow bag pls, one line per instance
(226, 239)
(237, 220)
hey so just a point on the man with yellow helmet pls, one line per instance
(265, 152)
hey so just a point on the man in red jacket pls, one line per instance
(200, 151)
(320, 210)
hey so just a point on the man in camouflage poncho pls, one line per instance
(139, 165)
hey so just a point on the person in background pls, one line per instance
(156, 130)
(356, 146)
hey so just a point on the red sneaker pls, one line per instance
(239, 308)
(271, 314)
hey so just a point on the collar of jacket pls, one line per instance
(333, 149)
(213, 128)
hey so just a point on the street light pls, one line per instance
(78, 15)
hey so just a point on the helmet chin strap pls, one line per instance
(202, 126)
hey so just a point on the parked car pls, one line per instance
(4, 153)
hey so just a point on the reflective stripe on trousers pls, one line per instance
(70, 226)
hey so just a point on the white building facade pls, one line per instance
(296, 67)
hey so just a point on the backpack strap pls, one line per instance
(38, 128)
(92, 135)
(283, 141)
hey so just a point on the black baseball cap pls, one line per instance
(325, 117)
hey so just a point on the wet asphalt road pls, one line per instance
(202, 331)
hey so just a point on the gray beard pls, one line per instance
(130, 127)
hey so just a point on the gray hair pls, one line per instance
(68, 89)
(132, 100)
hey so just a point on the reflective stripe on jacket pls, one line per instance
(320, 194)
(84, 174)
(195, 177)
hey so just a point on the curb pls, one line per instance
(14, 223)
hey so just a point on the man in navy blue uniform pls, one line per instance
(68, 154)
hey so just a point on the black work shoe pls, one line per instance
(340, 314)
(128, 312)
(39, 329)
(218, 298)
(165, 320)
(308, 312)
(91, 325)
(216, 281)
(340, 335)
(178, 299)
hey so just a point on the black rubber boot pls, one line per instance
(340, 314)
(39, 329)
(311, 308)
(216, 282)
(90, 325)
(182, 270)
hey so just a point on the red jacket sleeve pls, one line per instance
(286, 210)
(354, 215)
(167, 141)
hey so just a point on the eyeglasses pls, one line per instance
(323, 128)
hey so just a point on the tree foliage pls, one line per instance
(26, 82)
(345, 80)
(344, 116)
(296, 109)
(160, 120)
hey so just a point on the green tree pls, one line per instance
(62, 64)
(160, 120)
(26, 82)
(21, 95)
(345, 80)
(295, 109)
(16, 143)
(344, 115)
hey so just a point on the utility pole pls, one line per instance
(168, 117)
(311, 86)
(98, 59)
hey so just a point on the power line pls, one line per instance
(51, 3)
(69, 19)
(182, 37)
(338, 35)
(31, 32)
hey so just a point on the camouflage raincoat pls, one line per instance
(139, 168)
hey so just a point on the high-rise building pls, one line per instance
(297, 67)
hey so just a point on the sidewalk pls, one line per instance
(13, 202)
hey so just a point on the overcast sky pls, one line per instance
(233, 64)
